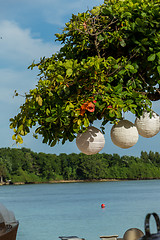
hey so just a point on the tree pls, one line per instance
(3, 170)
(109, 63)
(145, 157)
(91, 167)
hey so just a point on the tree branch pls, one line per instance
(154, 96)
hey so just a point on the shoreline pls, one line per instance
(74, 181)
(60, 181)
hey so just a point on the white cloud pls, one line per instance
(19, 47)
(17, 51)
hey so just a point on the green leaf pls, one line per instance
(59, 78)
(35, 136)
(133, 106)
(20, 127)
(86, 122)
(143, 14)
(45, 140)
(19, 139)
(68, 64)
(49, 119)
(122, 71)
(38, 129)
(76, 128)
(111, 114)
(79, 122)
(122, 43)
(22, 133)
(158, 68)
(50, 67)
(69, 106)
(158, 54)
(100, 38)
(127, 15)
(133, 25)
(69, 72)
(95, 10)
(53, 143)
(50, 94)
(152, 57)
(133, 111)
(47, 111)
(11, 125)
(131, 68)
(119, 114)
(14, 137)
(39, 100)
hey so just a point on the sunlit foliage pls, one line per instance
(109, 63)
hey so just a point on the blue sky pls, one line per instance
(27, 29)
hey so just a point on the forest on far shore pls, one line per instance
(24, 165)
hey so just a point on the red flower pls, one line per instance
(83, 108)
(89, 106)
(85, 25)
(109, 107)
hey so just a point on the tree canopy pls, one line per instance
(109, 63)
(24, 165)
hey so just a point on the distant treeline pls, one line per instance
(24, 165)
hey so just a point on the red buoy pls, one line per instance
(102, 205)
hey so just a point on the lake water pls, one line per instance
(47, 211)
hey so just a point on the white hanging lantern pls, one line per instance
(124, 134)
(148, 126)
(90, 142)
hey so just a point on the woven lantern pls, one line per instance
(90, 142)
(124, 134)
(133, 234)
(148, 125)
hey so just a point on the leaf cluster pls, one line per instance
(110, 57)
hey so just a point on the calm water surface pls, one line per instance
(47, 211)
